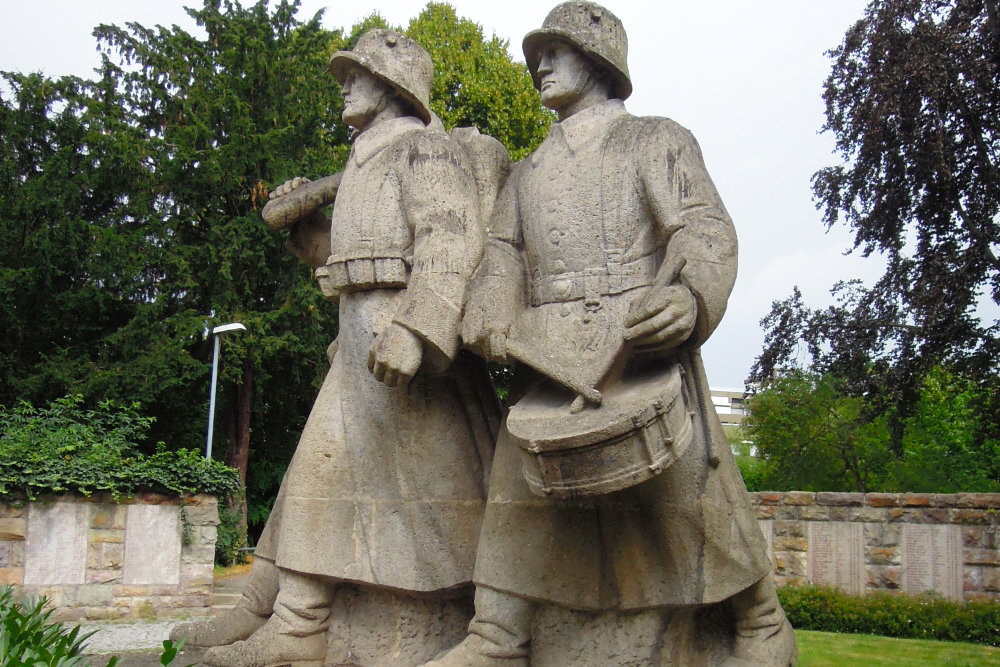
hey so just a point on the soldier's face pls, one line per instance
(564, 74)
(364, 97)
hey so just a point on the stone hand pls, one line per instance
(661, 319)
(287, 187)
(395, 356)
(483, 333)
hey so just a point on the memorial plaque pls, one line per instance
(767, 528)
(55, 549)
(932, 559)
(837, 555)
(152, 545)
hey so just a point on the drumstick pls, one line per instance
(667, 275)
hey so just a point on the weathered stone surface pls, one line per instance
(153, 551)
(799, 498)
(840, 499)
(11, 576)
(56, 544)
(979, 500)
(932, 559)
(107, 516)
(882, 499)
(202, 515)
(836, 555)
(13, 529)
(13, 511)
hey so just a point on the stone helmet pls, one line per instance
(395, 59)
(592, 29)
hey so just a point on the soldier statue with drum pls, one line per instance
(609, 261)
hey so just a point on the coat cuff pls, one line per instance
(432, 310)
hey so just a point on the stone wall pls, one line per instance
(93, 558)
(865, 542)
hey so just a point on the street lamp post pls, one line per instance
(215, 372)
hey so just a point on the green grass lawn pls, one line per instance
(828, 649)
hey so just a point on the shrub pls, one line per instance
(925, 616)
(230, 538)
(66, 448)
(27, 637)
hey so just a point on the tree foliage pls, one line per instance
(814, 436)
(914, 104)
(130, 216)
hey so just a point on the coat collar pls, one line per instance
(583, 126)
(374, 139)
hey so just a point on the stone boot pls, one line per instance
(295, 635)
(499, 633)
(271, 645)
(249, 614)
(764, 637)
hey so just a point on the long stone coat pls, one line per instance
(579, 230)
(387, 486)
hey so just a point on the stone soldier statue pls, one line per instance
(610, 254)
(387, 486)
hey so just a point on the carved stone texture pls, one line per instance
(153, 536)
(55, 550)
(374, 529)
(837, 555)
(609, 261)
(932, 559)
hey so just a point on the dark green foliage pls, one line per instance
(27, 637)
(813, 436)
(891, 615)
(476, 84)
(230, 538)
(66, 448)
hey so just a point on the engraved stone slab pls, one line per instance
(152, 545)
(55, 550)
(767, 528)
(837, 555)
(932, 559)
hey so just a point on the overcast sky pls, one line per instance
(745, 77)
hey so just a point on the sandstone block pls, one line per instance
(790, 543)
(799, 498)
(103, 576)
(990, 578)
(201, 515)
(979, 500)
(971, 516)
(109, 535)
(840, 499)
(882, 499)
(915, 500)
(12, 530)
(883, 555)
(978, 556)
(11, 576)
(790, 528)
(12, 511)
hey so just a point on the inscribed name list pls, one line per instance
(152, 545)
(932, 559)
(837, 555)
(55, 549)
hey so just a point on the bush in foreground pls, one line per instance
(891, 615)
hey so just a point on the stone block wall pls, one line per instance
(864, 542)
(94, 558)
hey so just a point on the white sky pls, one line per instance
(745, 77)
